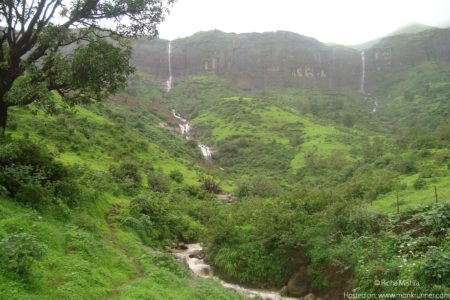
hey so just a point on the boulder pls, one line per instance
(182, 246)
(284, 291)
(310, 296)
(197, 253)
(298, 285)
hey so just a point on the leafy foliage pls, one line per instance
(158, 181)
(19, 252)
(127, 176)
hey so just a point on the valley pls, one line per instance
(231, 166)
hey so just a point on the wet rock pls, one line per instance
(298, 285)
(197, 253)
(310, 296)
(284, 291)
(182, 246)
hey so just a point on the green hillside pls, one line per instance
(74, 237)
(222, 165)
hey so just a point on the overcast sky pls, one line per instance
(330, 21)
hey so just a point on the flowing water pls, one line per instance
(206, 151)
(363, 71)
(192, 256)
(375, 105)
(363, 82)
(169, 54)
(185, 129)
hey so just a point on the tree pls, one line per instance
(77, 48)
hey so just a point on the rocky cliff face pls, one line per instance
(284, 59)
(398, 53)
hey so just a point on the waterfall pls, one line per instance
(185, 129)
(375, 105)
(174, 113)
(169, 54)
(363, 71)
(206, 151)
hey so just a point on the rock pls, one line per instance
(310, 296)
(284, 291)
(298, 285)
(182, 246)
(197, 253)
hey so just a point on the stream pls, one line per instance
(192, 257)
(185, 129)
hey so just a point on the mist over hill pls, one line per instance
(284, 59)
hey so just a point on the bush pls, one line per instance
(177, 176)
(435, 269)
(150, 217)
(153, 218)
(127, 176)
(158, 181)
(258, 186)
(19, 252)
(420, 183)
(29, 173)
(404, 165)
(23, 162)
(210, 185)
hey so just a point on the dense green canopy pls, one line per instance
(34, 35)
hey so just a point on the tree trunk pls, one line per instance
(3, 117)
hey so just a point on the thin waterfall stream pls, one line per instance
(185, 129)
(184, 125)
(362, 88)
(169, 60)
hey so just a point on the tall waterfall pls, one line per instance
(169, 54)
(363, 71)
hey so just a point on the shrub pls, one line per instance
(419, 183)
(210, 185)
(152, 217)
(32, 194)
(404, 165)
(158, 181)
(19, 252)
(23, 161)
(177, 176)
(258, 186)
(127, 176)
(435, 269)
(168, 262)
(29, 173)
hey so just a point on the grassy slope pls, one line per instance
(274, 130)
(90, 255)
(417, 98)
(99, 140)
(412, 104)
(281, 122)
